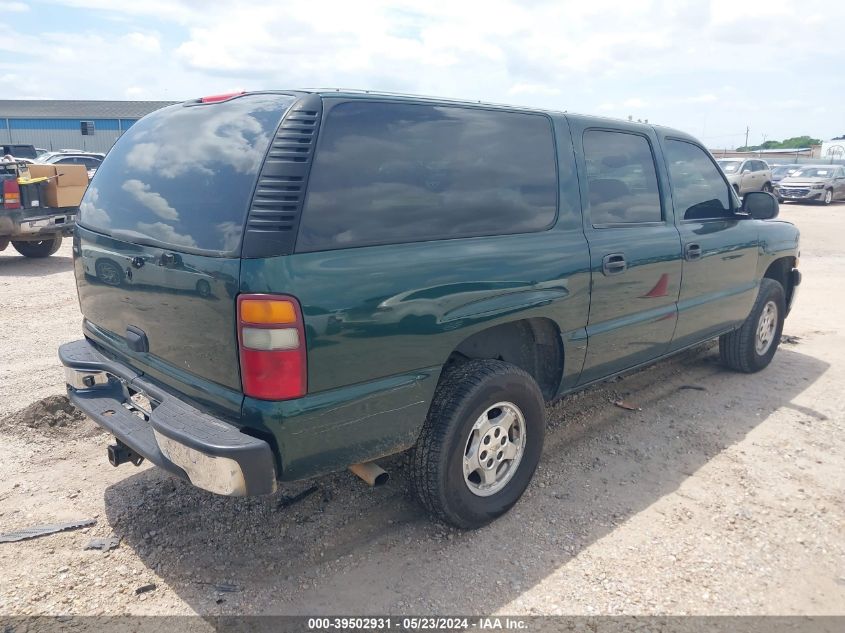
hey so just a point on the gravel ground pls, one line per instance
(725, 494)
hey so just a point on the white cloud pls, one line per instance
(703, 98)
(634, 102)
(668, 61)
(165, 234)
(148, 43)
(15, 7)
(533, 89)
(154, 201)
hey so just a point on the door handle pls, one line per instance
(613, 264)
(692, 251)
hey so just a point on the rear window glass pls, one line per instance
(182, 177)
(393, 172)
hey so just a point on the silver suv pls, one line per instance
(747, 174)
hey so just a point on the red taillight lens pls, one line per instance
(11, 194)
(225, 97)
(271, 339)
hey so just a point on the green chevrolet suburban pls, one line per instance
(277, 285)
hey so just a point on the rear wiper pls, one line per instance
(126, 235)
(133, 237)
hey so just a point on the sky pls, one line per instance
(711, 68)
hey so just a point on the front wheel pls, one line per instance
(42, 248)
(480, 443)
(752, 347)
(828, 196)
(108, 272)
(203, 288)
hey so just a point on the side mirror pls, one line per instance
(760, 205)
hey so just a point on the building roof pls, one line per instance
(25, 108)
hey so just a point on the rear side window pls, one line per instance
(621, 179)
(698, 189)
(183, 177)
(394, 172)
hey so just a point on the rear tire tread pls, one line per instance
(43, 248)
(456, 386)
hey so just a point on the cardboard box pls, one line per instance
(65, 196)
(66, 184)
(42, 171)
(72, 175)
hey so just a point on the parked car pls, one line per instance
(90, 161)
(18, 151)
(115, 268)
(818, 183)
(782, 171)
(407, 273)
(746, 175)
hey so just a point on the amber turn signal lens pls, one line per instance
(267, 311)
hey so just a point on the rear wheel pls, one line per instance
(752, 347)
(42, 248)
(767, 187)
(480, 444)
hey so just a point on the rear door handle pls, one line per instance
(613, 264)
(692, 251)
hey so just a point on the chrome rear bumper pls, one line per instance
(212, 454)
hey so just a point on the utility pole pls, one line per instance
(747, 129)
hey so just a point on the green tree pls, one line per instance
(795, 142)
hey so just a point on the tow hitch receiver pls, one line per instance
(120, 453)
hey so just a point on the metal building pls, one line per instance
(57, 125)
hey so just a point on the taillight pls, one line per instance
(271, 339)
(11, 194)
(225, 97)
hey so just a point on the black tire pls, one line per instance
(203, 288)
(44, 248)
(464, 394)
(109, 272)
(767, 187)
(738, 349)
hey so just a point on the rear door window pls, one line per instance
(182, 178)
(621, 179)
(401, 172)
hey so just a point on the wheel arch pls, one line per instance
(780, 270)
(532, 344)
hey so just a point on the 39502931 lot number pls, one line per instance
(386, 623)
